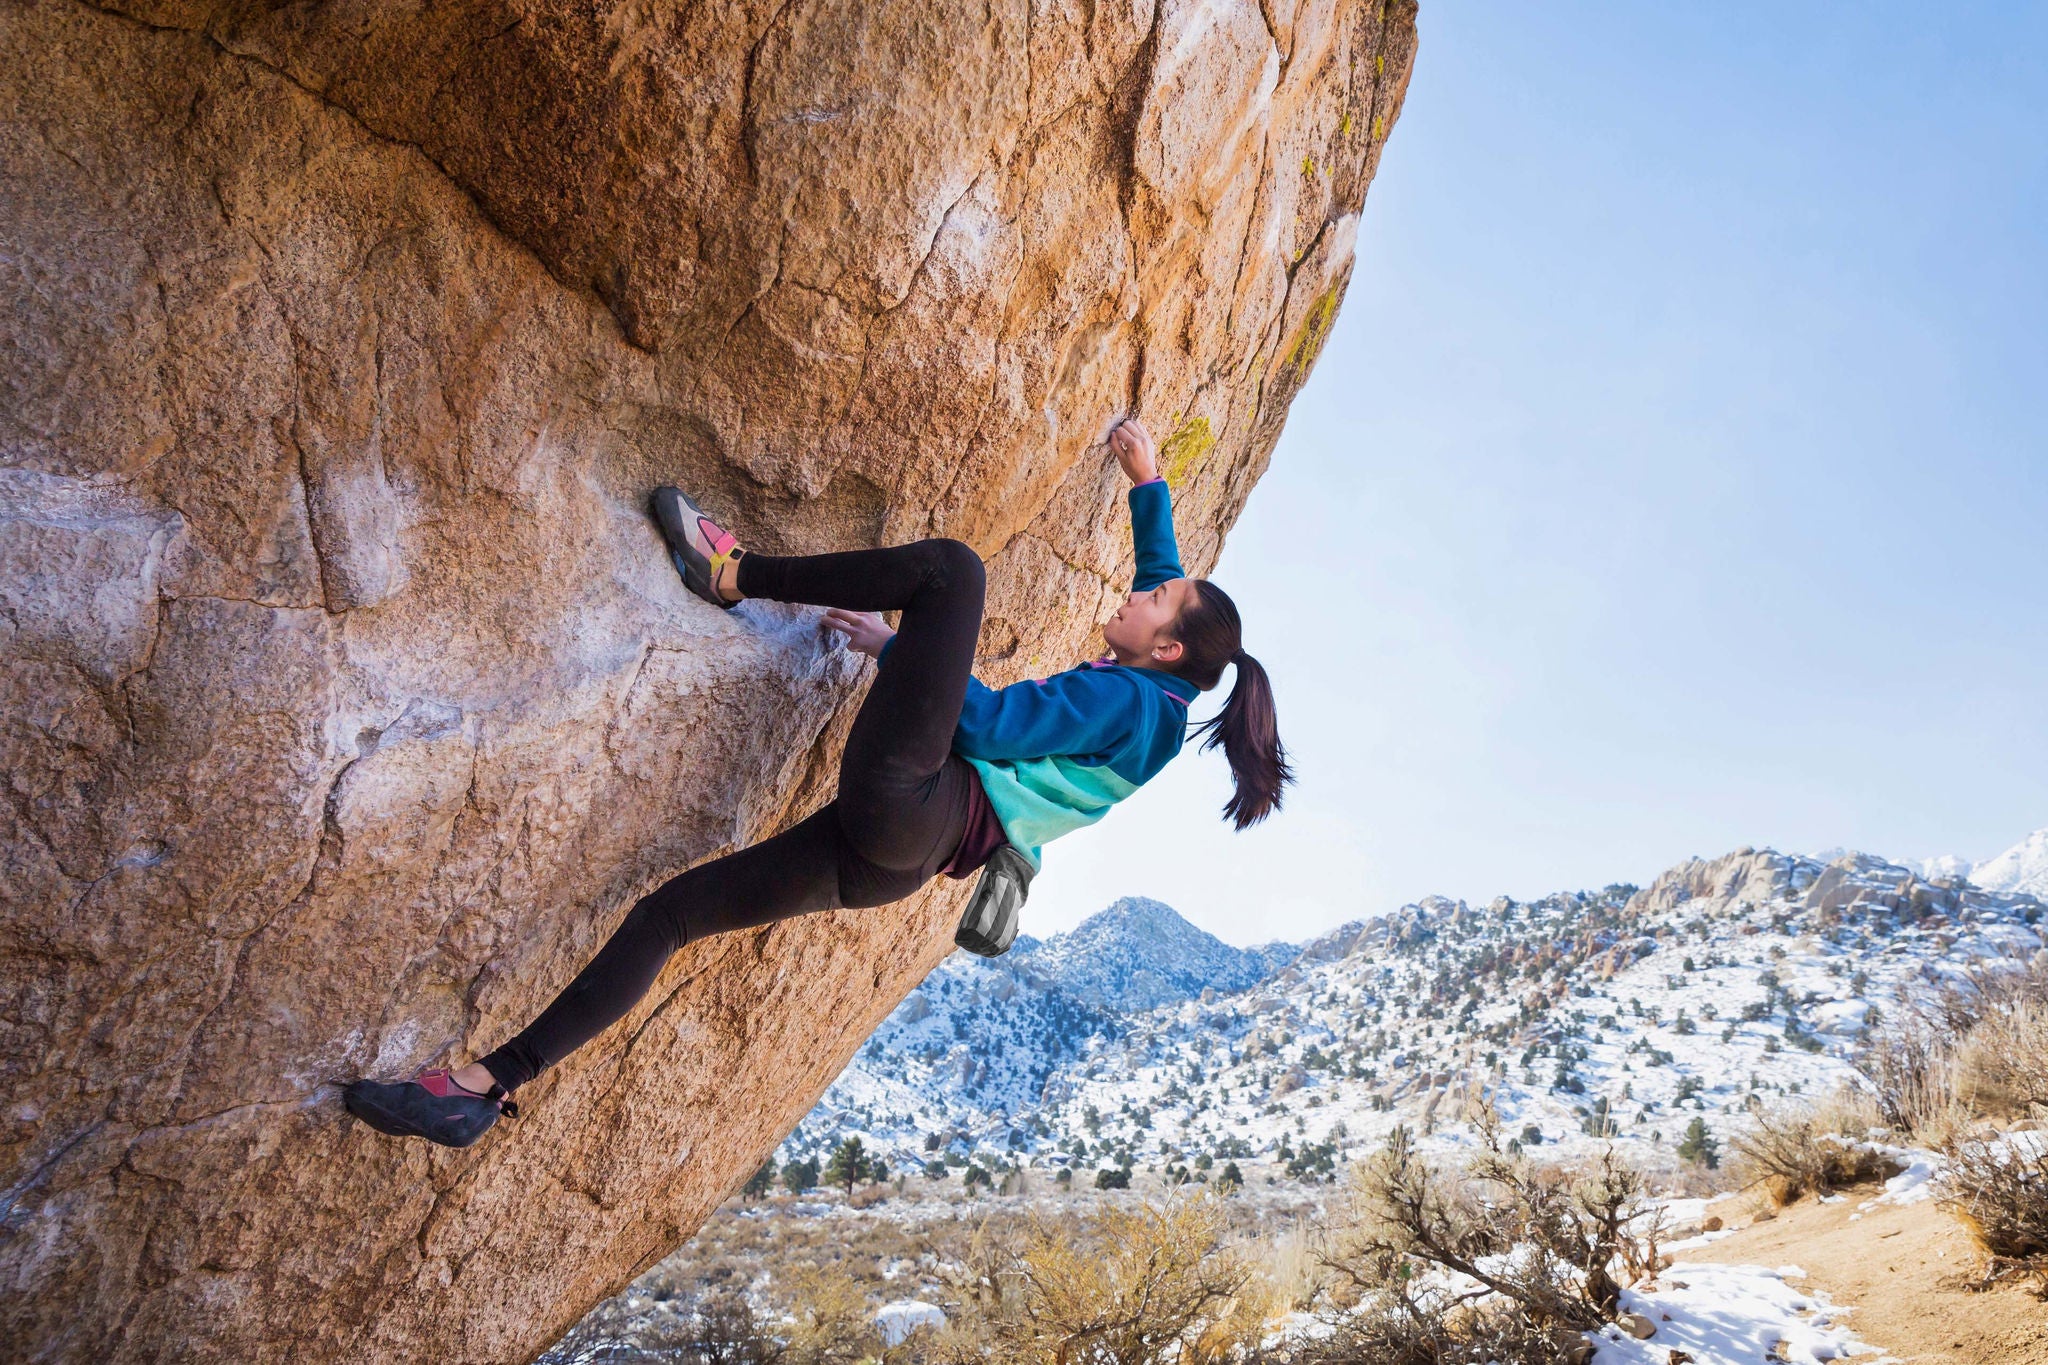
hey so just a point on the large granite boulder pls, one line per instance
(348, 699)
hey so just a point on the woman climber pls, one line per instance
(939, 771)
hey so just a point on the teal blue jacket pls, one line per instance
(1056, 753)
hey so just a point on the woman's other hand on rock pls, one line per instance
(1135, 450)
(864, 630)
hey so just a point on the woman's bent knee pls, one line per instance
(659, 918)
(958, 567)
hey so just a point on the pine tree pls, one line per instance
(799, 1176)
(761, 1181)
(1699, 1146)
(848, 1166)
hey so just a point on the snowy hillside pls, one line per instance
(1620, 1013)
(2023, 867)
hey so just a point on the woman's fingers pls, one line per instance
(863, 630)
(851, 622)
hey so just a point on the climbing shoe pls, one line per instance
(699, 546)
(430, 1105)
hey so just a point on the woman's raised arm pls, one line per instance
(1151, 506)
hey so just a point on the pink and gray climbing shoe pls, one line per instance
(430, 1105)
(699, 546)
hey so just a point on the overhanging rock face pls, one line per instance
(348, 698)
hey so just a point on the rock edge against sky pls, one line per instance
(349, 700)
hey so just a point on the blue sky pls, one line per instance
(1675, 478)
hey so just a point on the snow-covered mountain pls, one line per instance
(1139, 954)
(1584, 1016)
(2023, 867)
(980, 1039)
(1947, 866)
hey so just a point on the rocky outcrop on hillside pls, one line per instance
(347, 698)
(1844, 882)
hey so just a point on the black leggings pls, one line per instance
(902, 806)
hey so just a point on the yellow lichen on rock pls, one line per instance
(1181, 452)
(1314, 331)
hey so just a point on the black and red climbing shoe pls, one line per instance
(430, 1105)
(699, 546)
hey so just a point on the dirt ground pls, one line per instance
(1908, 1271)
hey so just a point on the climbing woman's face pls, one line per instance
(1141, 631)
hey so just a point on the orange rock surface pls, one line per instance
(348, 698)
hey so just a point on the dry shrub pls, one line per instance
(1911, 1070)
(833, 1324)
(715, 1329)
(1292, 1265)
(722, 1330)
(2002, 1063)
(1977, 1048)
(1134, 1286)
(1999, 1189)
(984, 1274)
(1690, 1180)
(1813, 1149)
(1505, 1261)
(1388, 1332)
(1851, 1111)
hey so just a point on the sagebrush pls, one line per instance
(1502, 1261)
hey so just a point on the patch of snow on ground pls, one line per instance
(896, 1321)
(1731, 1315)
(1915, 1184)
(1289, 1328)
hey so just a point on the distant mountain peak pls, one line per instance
(1139, 953)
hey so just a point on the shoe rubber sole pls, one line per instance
(673, 512)
(406, 1109)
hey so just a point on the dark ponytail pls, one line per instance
(1211, 635)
